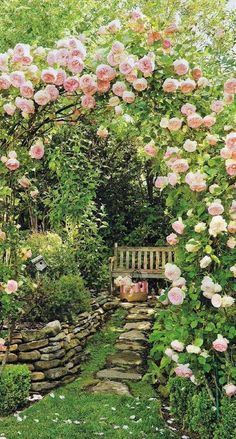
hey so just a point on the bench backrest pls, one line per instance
(144, 259)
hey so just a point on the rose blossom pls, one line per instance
(188, 109)
(61, 77)
(173, 178)
(217, 106)
(190, 145)
(172, 239)
(170, 85)
(37, 150)
(183, 371)
(231, 167)
(88, 84)
(118, 88)
(181, 66)
(178, 226)
(217, 225)
(5, 81)
(136, 14)
(194, 120)
(169, 352)
(230, 389)
(203, 82)
(166, 44)
(127, 66)
(140, 84)
(174, 124)
(179, 165)
(215, 208)
(25, 105)
(228, 98)
(187, 86)
(88, 101)
(102, 132)
(24, 182)
(209, 121)
(177, 345)
(9, 109)
(150, 149)
(230, 86)
(209, 288)
(11, 286)
(128, 97)
(192, 349)
(200, 227)
(52, 91)
(105, 72)
(71, 84)
(196, 181)
(212, 139)
(146, 65)
(103, 86)
(12, 164)
(161, 182)
(233, 270)
(117, 47)
(34, 193)
(230, 141)
(227, 301)
(225, 153)
(205, 261)
(196, 73)
(113, 101)
(192, 246)
(176, 296)
(17, 79)
(75, 64)
(216, 300)
(114, 26)
(180, 283)
(172, 272)
(49, 75)
(220, 344)
(231, 243)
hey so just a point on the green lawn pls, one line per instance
(69, 412)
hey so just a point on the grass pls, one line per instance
(71, 413)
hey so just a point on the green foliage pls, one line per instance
(14, 388)
(201, 415)
(226, 427)
(181, 392)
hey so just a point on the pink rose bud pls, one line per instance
(11, 286)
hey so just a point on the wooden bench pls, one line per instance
(149, 262)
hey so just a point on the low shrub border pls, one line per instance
(14, 388)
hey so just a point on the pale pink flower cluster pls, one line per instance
(11, 161)
(196, 181)
(215, 208)
(178, 226)
(220, 344)
(37, 150)
(176, 294)
(229, 153)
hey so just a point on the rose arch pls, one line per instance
(134, 81)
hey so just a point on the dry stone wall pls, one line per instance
(55, 352)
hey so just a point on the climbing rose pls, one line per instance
(205, 261)
(230, 86)
(181, 66)
(102, 132)
(5, 81)
(231, 167)
(161, 182)
(172, 239)
(190, 145)
(9, 109)
(174, 124)
(216, 300)
(52, 91)
(150, 149)
(183, 371)
(230, 141)
(118, 88)
(196, 73)
(11, 286)
(200, 227)
(217, 225)
(12, 164)
(24, 182)
(177, 345)
(170, 85)
(49, 75)
(117, 47)
(75, 65)
(172, 272)
(146, 65)
(127, 66)
(37, 150)
(192, 349)
(212, 139)
(71, 84)
(227, 301)
(179, 165)
(178, 226)
(140, 84)
(209, 121)
(169, 352)
(128, 97)
(194, 120)
(105, 72)
(25, 105)
(173, 178)
(114, 26)
(42, 97)
(232, 227)
(187, 86)
(230, 389)
(196, 181)
(17, 79)
(176, 296)
(231, 243)
(233, 269)
(220, 344)
(88, 84)
(88, 101)
(215, 208)
(217, 106)
(188, 109)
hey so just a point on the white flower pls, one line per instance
(192, 349)
(233, 269)
(216, 300)
(217, 225)
(227, 301)
(164, 122)
(200, 227)
(204, 262)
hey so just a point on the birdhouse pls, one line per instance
(39, 263)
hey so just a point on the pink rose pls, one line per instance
(52, 57)
(128, 97)
(172, 272)
(231, 243)
(166, 44)
(173, 178)
(180, 165)
(88, 101)
(75, 64)
(172, 239)
(176, 296)
(194, 120)
(178, 227)
(49, 75)
(183, 371)
(190, 145)
(196, 181)
(24, 182)
(146, 65)
(188, 109)
(232, 227)
(212, 139)
(117, 47)
(170, 85)
(230, 141)
(217, 106)
(209, 121)
(25, 105)
(161, 182)
(42, 97)
(105, 72)
(171, 28)
(181, 66)
(230, 86)
(61, 77)
(136, 14)
(52, 91)
(177, 345)
(5, 81)
(37, 150)
(27, 90)
(88, 84)
(225, 153)
(187, 86)
(71, 84)
(174, 124)
(17, 79)
(103, 86)
(34, 193)
(140, 84)
(4, 62)
(12, 164)
(196, 73)
(11, 286)
(127, 66)
(131, 77)
(78, 48)
(220, 344)
(230, 389)
(9, 109)
(231, 167)
(150, 149)
(118, 88)
(113, 59)
(228, 98)
(114, 26)
(62, 57)
(215, 208)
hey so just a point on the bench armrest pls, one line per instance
(112, 261)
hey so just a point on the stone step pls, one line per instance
(140, 326)
(125, 358)
(142, 310)
(108, 386)
(138, 317)
(130, 346)
(133, 336)
(119, 374)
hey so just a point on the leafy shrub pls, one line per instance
(61, 299)
(60, 257)
(14, 388)
(226, 428)
(181, 391)
(201, 415)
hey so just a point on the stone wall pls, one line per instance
(54, 353)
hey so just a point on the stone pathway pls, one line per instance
(128, 363)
